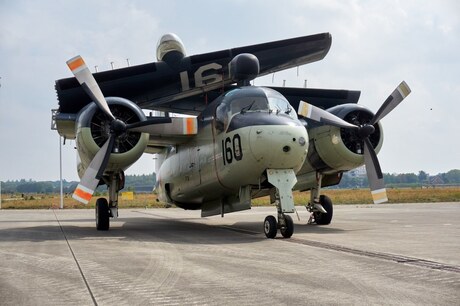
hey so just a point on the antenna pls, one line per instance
(127, 60)
(111, 64)
(95, 68)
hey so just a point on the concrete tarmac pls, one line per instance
(406, 254)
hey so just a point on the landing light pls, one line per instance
(302, 141)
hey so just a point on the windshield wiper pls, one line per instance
(247, 108)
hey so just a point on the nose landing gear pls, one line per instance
(284, 224)
(281, 196)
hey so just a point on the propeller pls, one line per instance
(363, 132)
(93, 174)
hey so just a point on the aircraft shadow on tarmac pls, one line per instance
(153, 230)
(299, 228)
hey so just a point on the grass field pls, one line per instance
(338, 196)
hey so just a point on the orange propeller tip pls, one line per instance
(76, 62)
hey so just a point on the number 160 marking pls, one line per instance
(231, 149)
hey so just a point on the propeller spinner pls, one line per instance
(363, 132)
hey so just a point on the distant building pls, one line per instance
(143, 189)
(436, 180)
(358, 172)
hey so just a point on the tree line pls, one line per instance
(422, 178)
(31, 186)
(349, 180)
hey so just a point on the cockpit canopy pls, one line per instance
(252, 99)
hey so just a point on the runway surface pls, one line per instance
(406, 254)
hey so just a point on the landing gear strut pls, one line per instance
(320, 206)
(281, 196)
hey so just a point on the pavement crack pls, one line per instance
(400, 259)
(385, 256)
(76, 260)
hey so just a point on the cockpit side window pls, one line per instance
(221, 117)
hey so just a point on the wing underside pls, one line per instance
(159, 85)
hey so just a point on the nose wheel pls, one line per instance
(270, 227)
(284, 224)
(288, 229)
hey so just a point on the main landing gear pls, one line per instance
(320, 206)
(102, 215)
(281, 196)
(109, 209)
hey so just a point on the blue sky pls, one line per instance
(376, 44)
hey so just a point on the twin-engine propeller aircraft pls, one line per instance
(244, 142)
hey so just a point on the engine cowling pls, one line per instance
(93, 130)
(340, 149)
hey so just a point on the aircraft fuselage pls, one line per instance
(241, 134)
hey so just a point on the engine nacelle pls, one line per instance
(93, 130)
(340, 149)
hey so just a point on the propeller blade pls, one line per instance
(317, 114)
(91, 177)
(396, 97)
(374, 174)
(150, 121)
(105, 160)
(86, 79)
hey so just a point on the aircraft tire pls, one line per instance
(102, 215)
(324, 219)
(289, 229)
(270, 227)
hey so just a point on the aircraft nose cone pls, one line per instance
(279, 147)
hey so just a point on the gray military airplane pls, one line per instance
(243, 142)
